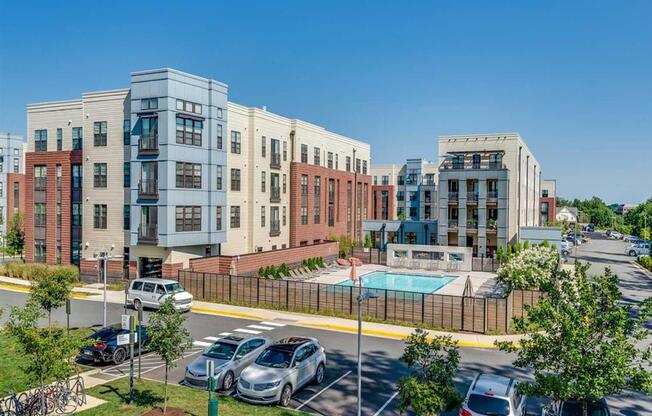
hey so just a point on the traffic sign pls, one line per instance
(123, 339)
(125, 322)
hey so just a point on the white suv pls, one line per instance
(640, 249)
(493, 395)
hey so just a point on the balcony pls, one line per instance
(453, 197)
(148, 234)
(472, 225)
(274, 228)
(472, 197)
(275, 195)
(148, 145)
(275, 161)
(492, 197)
(452, 224)
(492, 225)
(148, 189)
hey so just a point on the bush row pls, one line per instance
(35, 271)
(646, 261)
(313, 263)
(274, 272)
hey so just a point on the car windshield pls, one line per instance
(575, 409)
(221, 351)
(274, 358)
(487, 405)
(173, 288)
(107, 333)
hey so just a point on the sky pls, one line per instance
(574, 78)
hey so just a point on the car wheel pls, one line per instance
(119, 356)
(632, 253)
(227, 383)
(286, 395)
(319, 374)
(137, 304)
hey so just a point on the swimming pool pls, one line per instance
(399, 281)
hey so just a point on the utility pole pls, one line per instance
(102, 258)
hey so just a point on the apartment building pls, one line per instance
(12, 168)
(548, 202)
(168, 170)
(489, 186)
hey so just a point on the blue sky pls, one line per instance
(574, 78)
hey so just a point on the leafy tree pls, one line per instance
(401, 216)
(429, 389)
(581, 340)
(367, 240)
(500, 254)
(16, 235)
(169, 338)
(636, 219)
(51, 289)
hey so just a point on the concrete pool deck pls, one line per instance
(483, 283)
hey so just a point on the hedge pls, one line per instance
(35, 271)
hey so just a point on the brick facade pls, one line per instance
(170, 270)
(50, 159)
(552, 208)
(88, 270)
(248, 264)
(377, 201)
(12, 179)
(301, 234)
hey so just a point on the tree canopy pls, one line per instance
(16, 235)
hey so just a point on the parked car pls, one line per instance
(566, 248)
(492, 395)
(572, 238)
(574, 408)
(105, 346)
(630, 239)
(230, 355)
(281, 370)
(152, 292)
(615, 235)
(639, 249)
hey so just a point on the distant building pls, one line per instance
(548, 202)
(567, 214)
(12, 169)
(625, 208)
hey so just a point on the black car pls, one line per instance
(105, 346)
(574, 408)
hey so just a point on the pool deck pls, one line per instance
(482, 282)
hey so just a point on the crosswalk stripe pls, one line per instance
(266, 328)
(211, 338)
(247, 331)
(272, 324)
(224, 334)
(202, 343)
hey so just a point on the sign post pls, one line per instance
(67, 315)
(212, 400)
(132, 327)
(140, 331)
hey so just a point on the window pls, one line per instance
(59, 139)
(39, 251)
(263, 147)
(220, 112)
(189, 131)
(317, 156)
(400, 196)
(40, 177)
(127, 175)
(219, 177)
(149, 104)
(304, 153)
(364, 167)
(384, 180)
(357, 165)
(262, 216)
(304, 199)
(304, 215)
(149, 133)
(348, 163)
(476, 161)
(219, 136)
(235, 217)
(262, 181)
(188, 175)
(285, 181)
(329, 160)
(76, 214)
(236, 142)
(16, 196)
(544, 193)
(276, 153)
(40, 140)
(2, 188)
(235, 179)
(99, 175)
(285, 151)
(126, 221)
(40, 216)
(16, 165)
(317, 202)
(188, 107)
(375, 180)
(188, 218)
(401, 180)
(99, 133)
(274, 223)
(99, 216)
(218, 218)
(284, 215)
(2, 215)
(337, 164)
(126, 132)
(59, 173)
(77, 138)
(76, 176)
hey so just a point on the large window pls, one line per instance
(76, 214)
(189, 131)
(99, 216)
(99, 133)
(188, 107)
(149, 104)
(127, 175)
(188, 175)
(99, 175)
(16, 165)
(329, 160)
(235, 217)
(39, 251)
(59, 139)
(235, 179)
(188, 218)
(219, 136)
(317, 158)
(76, 176)
(236, 142)
(77, 138)
(40, 177)
(348, 163)
(304, 199)
(149, 133)
(40, 216)
(40, 140)
(317, 202)
(218, 218)
(364, 167)
(304, 153)
(218, 169)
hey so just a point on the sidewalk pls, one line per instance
(292, 318)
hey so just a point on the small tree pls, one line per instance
(367, 241)
(16, 235)
(500, 254)
(582, 341)
(169, 338)
(429, 389)
(51, 290)
(529, 269)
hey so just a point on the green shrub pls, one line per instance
(320, 262)
(36, 272)
(261, 272)
(646, 261)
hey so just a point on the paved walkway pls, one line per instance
(298, 319)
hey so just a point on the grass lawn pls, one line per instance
(149, 394)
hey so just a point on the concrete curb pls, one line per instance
(26, 289)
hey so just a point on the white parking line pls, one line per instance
(386, 403)
(202, 344)
(211, 338)
(265, 328)
(224, 334)
(272, 324)
(322, 390)
(247, 331)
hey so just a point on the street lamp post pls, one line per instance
(361, 298)
(104, 257)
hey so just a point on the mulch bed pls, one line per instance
(158, 411)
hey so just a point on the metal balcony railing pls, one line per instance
(472, 197)
(274, 228)
(275, 195)
(148, 233)
(452, 223)
(453, 196)
(492, 194)
(148, 144)
(275, 161)
(472, 224)
(148, 188)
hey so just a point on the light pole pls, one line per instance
(104, 257)
(361, 298)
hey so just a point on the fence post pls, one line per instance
(423, 307)
(203, 286)
(484, 323)
(385, 304)
(287, 295)
(351, 300)
(257, 290)
(318, 290)
(230, 287)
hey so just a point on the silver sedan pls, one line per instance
(230, 355)
(282, 369)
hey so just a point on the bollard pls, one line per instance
(212, 406)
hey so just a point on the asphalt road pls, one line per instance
(382, 369)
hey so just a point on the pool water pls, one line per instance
(400, 281)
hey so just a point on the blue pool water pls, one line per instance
(400, 281)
